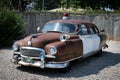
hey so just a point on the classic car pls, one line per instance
(59, 43)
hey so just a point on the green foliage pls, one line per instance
(11, 27)
(4, 3)
(46, 4)
(99, 12)
(94, 4)
(19, 5)
(70, 3)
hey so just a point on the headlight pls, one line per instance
(52, 50)
(15, 47)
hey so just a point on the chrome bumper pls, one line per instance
(41, 63)
(45, 65)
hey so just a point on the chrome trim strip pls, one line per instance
(50, 56)
(47, 56)
(16, 52)
(67, 60)
(74, 59)
(30, 57)
(39, 49)
(57, 65)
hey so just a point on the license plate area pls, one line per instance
(27, 59)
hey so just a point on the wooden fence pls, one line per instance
(109, 22)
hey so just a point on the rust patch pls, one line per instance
(67, 50)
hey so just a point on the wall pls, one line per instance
(109, 22)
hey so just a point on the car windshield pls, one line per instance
(59, 27)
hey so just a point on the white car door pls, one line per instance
(87, 44)
(90, 40)
(95, 38)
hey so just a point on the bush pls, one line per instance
(11, 26)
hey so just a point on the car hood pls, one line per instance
(42, 39)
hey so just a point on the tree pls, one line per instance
(11, 27)
(47, 4)
(4, 3)
(114, 4)
(70, 3)
(19, 5)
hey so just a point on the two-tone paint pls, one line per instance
(77, 46)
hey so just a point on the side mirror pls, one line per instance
(77, 31)
(102, 30)
(38, 29)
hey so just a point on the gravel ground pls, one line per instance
(106, 67)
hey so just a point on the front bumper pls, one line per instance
(18, 59)
(42, 64)
(45, 65)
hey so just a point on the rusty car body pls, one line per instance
(59, 43)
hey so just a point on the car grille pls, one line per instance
(31, 51)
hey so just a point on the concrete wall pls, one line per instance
(109, 22)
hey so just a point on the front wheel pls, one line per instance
(15, 59)
(66, 69)
(99, 53)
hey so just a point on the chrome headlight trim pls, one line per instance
(15, 47)
(52, 50)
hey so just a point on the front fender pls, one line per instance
(66, 50)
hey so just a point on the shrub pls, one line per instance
(11, 26)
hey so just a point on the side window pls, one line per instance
(83, 30)
(91, 30)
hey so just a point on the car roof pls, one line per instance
(70, 21)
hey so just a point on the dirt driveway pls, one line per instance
(106, 67)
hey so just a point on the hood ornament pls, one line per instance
(29, 43)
